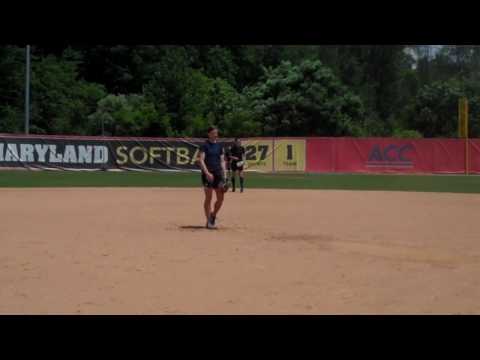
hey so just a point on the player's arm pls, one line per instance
(231, 156)
(203, 167)
(223, 164)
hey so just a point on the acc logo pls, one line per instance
(391, 155)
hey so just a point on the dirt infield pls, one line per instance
(145, 251)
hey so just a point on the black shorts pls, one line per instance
(218, 180)
(235, 167)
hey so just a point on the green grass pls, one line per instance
(431, 183)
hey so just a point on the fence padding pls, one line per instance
(383, 155)
(98, 153)
(315, 155)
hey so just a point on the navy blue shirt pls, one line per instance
(213, 153)
(237, 151)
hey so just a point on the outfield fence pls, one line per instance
(279, 154)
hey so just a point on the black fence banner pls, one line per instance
(94, 153)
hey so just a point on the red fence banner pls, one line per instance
(385, 155)
(311, 155)
(474, 156)
(320, 155)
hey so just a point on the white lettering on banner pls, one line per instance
(54, 157)
(195, 156)
(70, 156)
(12, 153)
(182, 156)
(84, 154)
(41, 151)
(154, 153)
(100, 154)
(169, 151)
(122, 154)
(26, 153)
(143, 153)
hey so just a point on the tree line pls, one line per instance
(268, 90)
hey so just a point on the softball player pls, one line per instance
(236, 155)
(211, 159)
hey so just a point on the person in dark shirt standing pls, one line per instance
(211, 159)
(236, 155)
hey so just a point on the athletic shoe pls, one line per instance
(210, 225)
(211, 222)
(241, 190)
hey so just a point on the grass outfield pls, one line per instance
(430, 183)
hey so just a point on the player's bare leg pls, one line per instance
(231, 176)
(207, 204)
(219, 202)
(233, 181)
(240, 175)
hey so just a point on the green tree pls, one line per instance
(435, 113)
(195, 111)
(220, 64)
(12, 77)
(10, 119)
(242, 121)
(406, 134)
(231, 111)
(111, 66)
(209, 101)
(307, 99)
(61, 101)
(169, 79)
(129, 115)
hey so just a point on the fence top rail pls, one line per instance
(98, 138)
(192, 139)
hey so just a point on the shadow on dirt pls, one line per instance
(196, 228)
